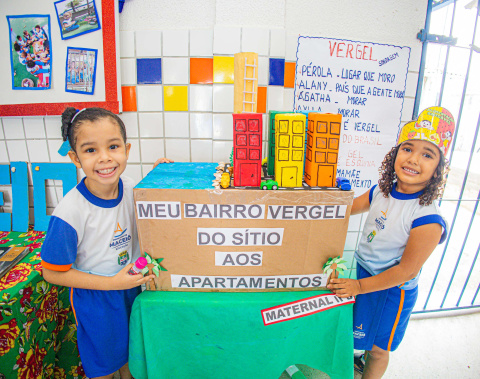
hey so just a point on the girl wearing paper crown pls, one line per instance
(403, 227)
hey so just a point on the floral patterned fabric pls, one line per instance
(38, 335)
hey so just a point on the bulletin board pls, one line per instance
(364, 82)
(53, 101)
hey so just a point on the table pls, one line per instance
(37, 327)
(222, 335)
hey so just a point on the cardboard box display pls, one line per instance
(237, 239)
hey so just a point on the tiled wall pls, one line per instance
(177, 86)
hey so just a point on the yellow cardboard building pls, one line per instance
(289, 149)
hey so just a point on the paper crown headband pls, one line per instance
(434, 124)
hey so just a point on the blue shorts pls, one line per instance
(102, 328)
(380, 318)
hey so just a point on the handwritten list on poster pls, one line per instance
(365, 83)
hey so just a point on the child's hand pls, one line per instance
(124, 281)
(344, 287)
(162, 160)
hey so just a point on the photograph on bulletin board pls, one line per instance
(80, 70)
(76, 17)
(30, 51)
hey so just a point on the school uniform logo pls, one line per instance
(380, 221)
(123, 258)
(371, 236)
(359, 334)
(121, 238)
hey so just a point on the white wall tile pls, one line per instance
(176, 124)
(13, 128)
(263, 71)
(178, 149)
(134, 156)
(351, 241)
(150, 98)
(2, 136)
(175, 43)
(38, 150)
(131, 123)
(51, 196)
(407, 111)
(34, 127)
(133, 171)
(222, 151)
(255, 40)
(288, 99)
(226, 40)
(175, 71)
(201, 125)
(222, 127)
(148, 43)
(411, 87)
(354, 222)
(127, 44)
(128, 70)
(223, 98)
(3, 153)
(152, 149)
(275, 98)
(291, 48)
(53, 146)
(201, 150)
(277, 43)
(201, 42)
(53, 126)
(264, 127)
(17, 150)
(151, 124)
(201, 98)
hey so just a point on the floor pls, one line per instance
(433, 347)
(438, 347)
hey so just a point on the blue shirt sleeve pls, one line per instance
(370, 194)
(432, 219)
(60, 245)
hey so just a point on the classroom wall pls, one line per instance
(193, 122)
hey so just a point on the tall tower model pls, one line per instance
(289, 149)
(323, 141)
(247, 149)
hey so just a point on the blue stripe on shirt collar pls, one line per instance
(404, 196)
(102, 203)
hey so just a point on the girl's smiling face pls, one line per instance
(415, 165)
(102, 154)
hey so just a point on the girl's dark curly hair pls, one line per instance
(73, 119)
(434, 188)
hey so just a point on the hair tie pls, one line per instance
(76, 114)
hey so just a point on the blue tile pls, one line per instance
(149, 71)
(277, 72)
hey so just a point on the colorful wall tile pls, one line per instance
(149, 71)
(223, 69)
(175, 98)
(129, 99)
(201, 70)
(277, 72)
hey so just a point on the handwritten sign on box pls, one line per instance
(365, 83)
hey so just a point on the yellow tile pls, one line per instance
(175, 98)
(223, 68)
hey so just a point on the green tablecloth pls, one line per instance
(37, 327)
(222, 335)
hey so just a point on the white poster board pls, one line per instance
(365, 82)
